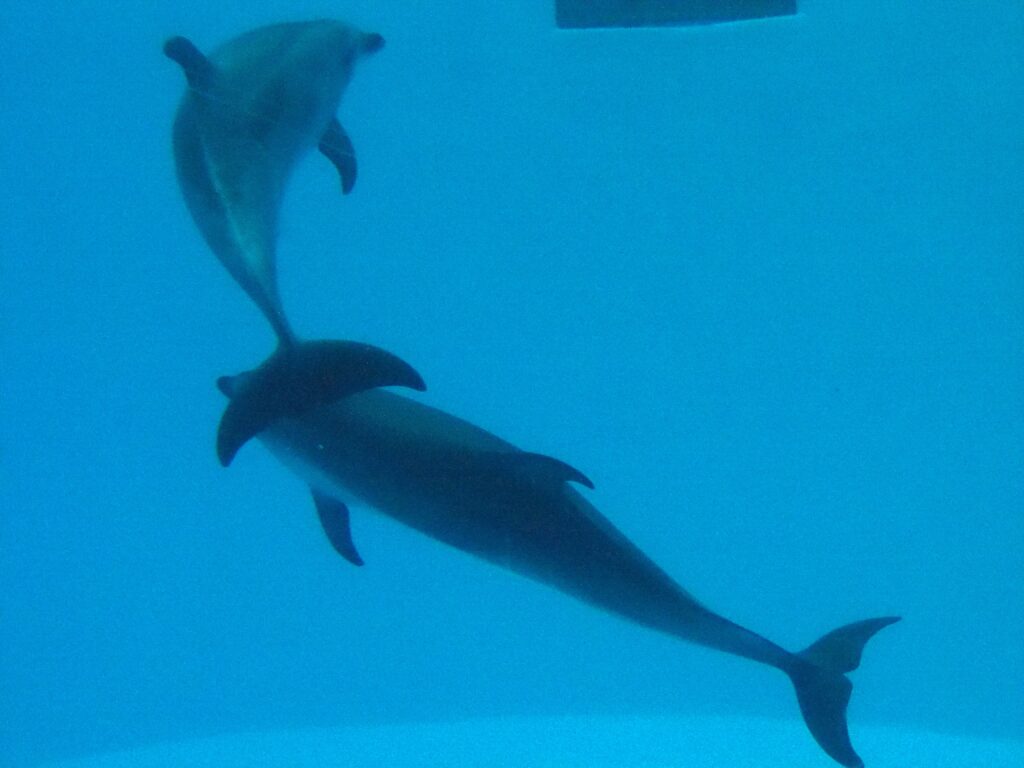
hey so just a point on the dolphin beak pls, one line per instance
(226, 385)
(372, 42)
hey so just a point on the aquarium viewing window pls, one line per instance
(584, 14)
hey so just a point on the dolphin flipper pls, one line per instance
(535, 469)
(199, 72)
(337, 147)
(334, 518)
(298, 378)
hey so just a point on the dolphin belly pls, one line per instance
(420, 466)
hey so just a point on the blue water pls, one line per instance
(762, 282)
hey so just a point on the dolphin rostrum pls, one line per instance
(469, 489)
(251, 110)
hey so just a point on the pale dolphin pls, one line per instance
(469, 489)
(251, 110)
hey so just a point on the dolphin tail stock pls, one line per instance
(818, 674)
(299, 377)
(277, 319)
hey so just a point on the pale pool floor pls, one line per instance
(577, 742)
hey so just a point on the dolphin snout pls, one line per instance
(372, 42)
(226, 385)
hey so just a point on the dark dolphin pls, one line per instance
(469, 489)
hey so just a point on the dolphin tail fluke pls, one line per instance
(823, 690)
(299, 377)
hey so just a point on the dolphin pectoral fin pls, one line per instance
(198, 70)
(337, 147)
(823, 690)
(535, 468)
(300, 377)
(334, 518)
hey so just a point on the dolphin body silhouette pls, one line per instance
(469, 489)
(251, 110)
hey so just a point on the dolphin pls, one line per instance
(249, 113)
(471, 490)
(251, 110)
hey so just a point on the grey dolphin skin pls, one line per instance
(469, 489)
(251, 110)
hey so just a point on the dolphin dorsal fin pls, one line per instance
(334, 518)
(337, 147)
(534, 468)
(199, 71)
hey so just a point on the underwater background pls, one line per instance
(762, 282)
